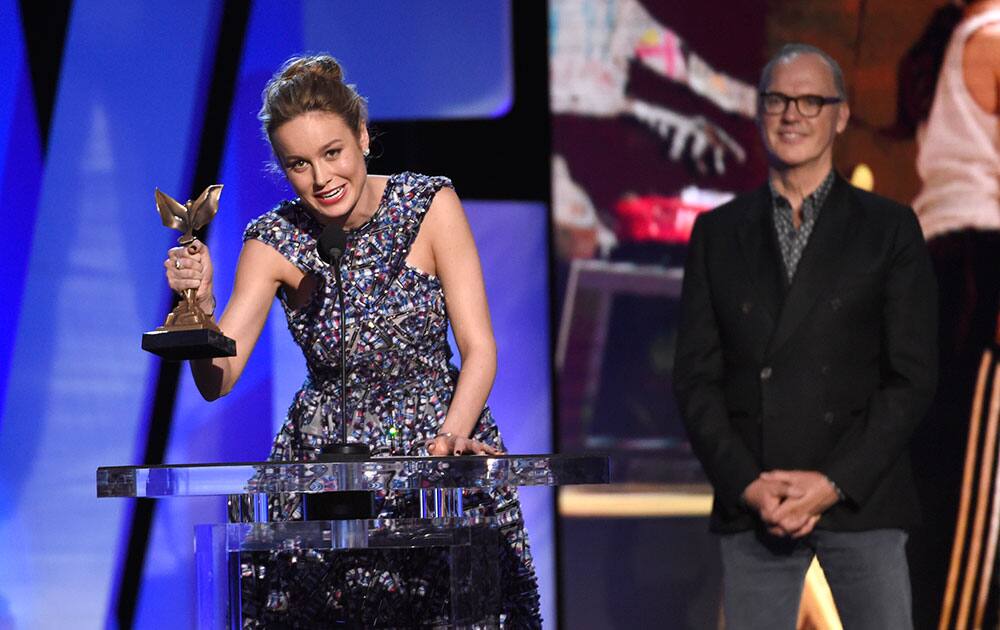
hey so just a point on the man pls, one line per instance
(805, 359)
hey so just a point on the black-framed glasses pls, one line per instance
(809, 105)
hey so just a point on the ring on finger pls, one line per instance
(177, 263)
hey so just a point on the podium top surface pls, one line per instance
(376, 473)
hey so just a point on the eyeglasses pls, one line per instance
(809, 105)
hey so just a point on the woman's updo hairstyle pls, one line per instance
(306, 84)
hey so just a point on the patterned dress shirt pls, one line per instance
(792, 242)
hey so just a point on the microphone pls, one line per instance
(330, 248)
(331, 245)
(358, 504)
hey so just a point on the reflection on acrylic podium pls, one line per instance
(466, 543)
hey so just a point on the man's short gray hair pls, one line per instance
(788, 51)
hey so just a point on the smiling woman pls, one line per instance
(409, 269)
(316, 126)
(324, 161)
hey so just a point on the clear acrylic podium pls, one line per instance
(435, 483)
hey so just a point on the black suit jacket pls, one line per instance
(831, 373)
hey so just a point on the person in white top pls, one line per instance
(959, 157)
(959, 211)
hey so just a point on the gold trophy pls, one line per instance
(188, 332)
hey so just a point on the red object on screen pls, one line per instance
(656, 218)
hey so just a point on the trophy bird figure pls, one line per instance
(187, 218)
(190, 216)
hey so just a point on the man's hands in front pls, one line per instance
(790, 502)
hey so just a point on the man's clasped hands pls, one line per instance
(790, 502)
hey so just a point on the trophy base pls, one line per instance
(195, 343)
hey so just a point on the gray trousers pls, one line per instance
(763, 578)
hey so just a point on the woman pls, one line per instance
(410, 265)
(958, 133)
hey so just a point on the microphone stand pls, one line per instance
(352, 504)
(353, 450)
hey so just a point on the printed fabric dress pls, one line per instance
(399, 384)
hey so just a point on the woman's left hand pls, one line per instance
(446, 444)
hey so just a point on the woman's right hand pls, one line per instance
(444, 444)
(190, 267)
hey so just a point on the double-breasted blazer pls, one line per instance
(831, 372)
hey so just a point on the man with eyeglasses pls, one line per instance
(805, 358)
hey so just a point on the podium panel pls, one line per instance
(439, 569)
(376, 473)
(229, 557)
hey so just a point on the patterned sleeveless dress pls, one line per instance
(399, 384)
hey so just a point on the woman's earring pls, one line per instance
(366, 152)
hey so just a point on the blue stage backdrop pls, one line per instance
(78, 389)
(20, 177)
(83, 272)
(20, 174)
